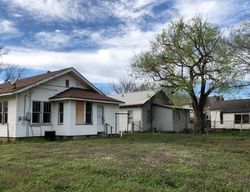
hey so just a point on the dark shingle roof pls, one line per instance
(22, 83)
(232, 106)
(77, 93)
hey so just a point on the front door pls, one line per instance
(100, 118)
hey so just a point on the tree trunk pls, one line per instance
(199, 117)
(199, 121)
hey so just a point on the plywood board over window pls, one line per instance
(80, 111)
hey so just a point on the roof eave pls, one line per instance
(82, 99)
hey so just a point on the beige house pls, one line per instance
(231, 114)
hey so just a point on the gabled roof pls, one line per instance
(82, 94)
(26, 83)
(134, 98)
(232, 106)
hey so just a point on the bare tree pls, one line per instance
(9, 72)
(125, 85)
(12, 73)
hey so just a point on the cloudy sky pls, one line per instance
(97, 37)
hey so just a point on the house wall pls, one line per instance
(147, 116)
(162, 118)
(181, 119)
(11, 117)
(123, 118)
(228, 121)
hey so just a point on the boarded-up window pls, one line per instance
(80, 112)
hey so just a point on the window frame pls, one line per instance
(4, 114)
(130, 116)
(36, 112)
(88, 112)
(243, 120)
(84, 114)
(41, 112)
(238, 121)
(221, 118)
(66, 83)
(46, 112)
(60, 113)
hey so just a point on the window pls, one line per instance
(88, 112)
(130, 116)
(83, 112)
(4, 112)
(41, 112)
(60, 111)
(237, 119)
(46, 112)
(36, 112)
(245, 118)
(100, 115)
(80, 112)
(66, 83)
(221, 118)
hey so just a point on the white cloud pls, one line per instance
(103, 65)
(57, 9)
(8, 29)
(216, 11)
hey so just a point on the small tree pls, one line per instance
(194, 57)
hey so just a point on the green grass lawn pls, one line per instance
(137, 162)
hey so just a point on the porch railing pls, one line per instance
(108, 129)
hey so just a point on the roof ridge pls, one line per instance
(34, 76)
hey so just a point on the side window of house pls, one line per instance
(237, 119)
(36, 112)
(245, 118)
(4, 112)
(60, 113)
(88, 112)
(41, 112)
(66, 83)
(83, 112)
(46, 112)
(221, 118)
(130, 116)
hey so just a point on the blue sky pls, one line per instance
(96, 37)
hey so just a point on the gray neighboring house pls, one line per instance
(231, 114)
(150, 111)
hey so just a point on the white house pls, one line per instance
(231, 114)
(62, 101)
(150, 110)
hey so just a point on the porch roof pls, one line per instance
(83, 94)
